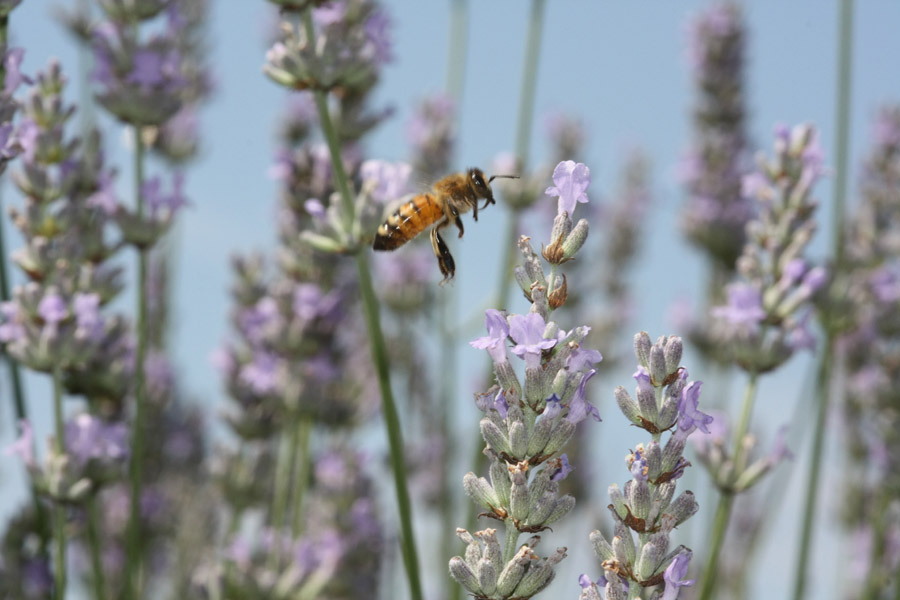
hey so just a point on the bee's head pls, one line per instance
(482, 185)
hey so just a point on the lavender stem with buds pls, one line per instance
(376, 337)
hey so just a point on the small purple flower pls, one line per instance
(689, 415)
(389, 180)
(579, 407)
(12, 329)
(799, 336)
(310, 303)
(570, 180)
(585, 582)
(105, 196)
(329, 14)
(262, 373)
(495, 341)
(87, 314)
(378, 31)
(52, 309)
(147, 68)
(164, 206)
(675, 574)
(527, 331)
(14, 76)
(642, 376)
(637, 464)
(258, 319)
(582, 358)
(23, 447)
(563, 470)
(744, 308)
(88, 438)
(885, 284)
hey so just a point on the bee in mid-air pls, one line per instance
(447, 200)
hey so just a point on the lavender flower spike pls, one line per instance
(570, 181)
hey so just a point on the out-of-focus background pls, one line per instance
(623, 70)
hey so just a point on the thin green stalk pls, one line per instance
(302, 465)
(823, 387)
(59, 558)
(379, 350)
(286, 443)
(137, 430)
(449, 304)
(93, 531)
(726, 498)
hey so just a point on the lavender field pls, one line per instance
(351, 299)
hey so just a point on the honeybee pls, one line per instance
(447, 200)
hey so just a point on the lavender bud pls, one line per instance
(541, 509)
(664, 493)
(560, 435)
(628, 406)
(575, 240)
(541, 483)
(651, 555)
(601, 547)
(518, 440)
(683, 508)
(464, 576)
(614, 588)
(653, 456)
(506, 377)
(657, 367)
(646, 399)
(487, 577)
(541, 434)
(672, 453)
(524, 281)
(669, 412)
(618, 501)
(473, 553)
(639, 498)
(623, 547)
(534, 386)
(563, 507)
(513, 572)
(479, 490)
(492, 551)
(494, 437)
(673, 352)
(518, 496)
(642, 347)
(500, 481)
(538, 577)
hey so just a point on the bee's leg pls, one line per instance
(445, 260)
(456, 219)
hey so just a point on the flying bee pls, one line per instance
(447, 200)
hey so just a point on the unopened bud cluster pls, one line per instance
(647, 510)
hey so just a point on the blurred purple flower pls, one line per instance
(390, 181)
(744, 308)
(52, 309)
(23, 447)
(88, 438)
(262, 373)
(495, 341)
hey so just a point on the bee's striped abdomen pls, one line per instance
(408, 221)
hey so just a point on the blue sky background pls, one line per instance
(621, 68)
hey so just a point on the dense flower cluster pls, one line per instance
(527, 425)
(766, 318)
(665, 400)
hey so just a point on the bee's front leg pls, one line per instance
(445, 260)
(457, 219)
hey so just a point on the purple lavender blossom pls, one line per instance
(690, 418)
(52, 309)
(389, 181)
(88, 438)
(564, 469)
(23, 447)
(675, 574)
(570, 181)
(744, 308)
(527, 331)
(580, 408)
(495, 341)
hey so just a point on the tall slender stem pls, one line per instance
(282, 480)
(512, 538)
(726, 499)
(59, 558)
(93, 531)
(137, 431)
(14, 374)
(824, 390)
(302, 466)
(376, 338)
(449, 304)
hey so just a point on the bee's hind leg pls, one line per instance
(445, 260)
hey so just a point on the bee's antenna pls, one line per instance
(493, 177)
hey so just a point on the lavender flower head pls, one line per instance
(765, 319)
(716, 212)
(431, 132)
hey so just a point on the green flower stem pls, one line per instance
(59, 558)
(449, 305)
(823, 387)
(137, 430)
(93, 532)
(379, 350)
(14, 374)
(286, 443)
(302, 466)
(726, 499)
